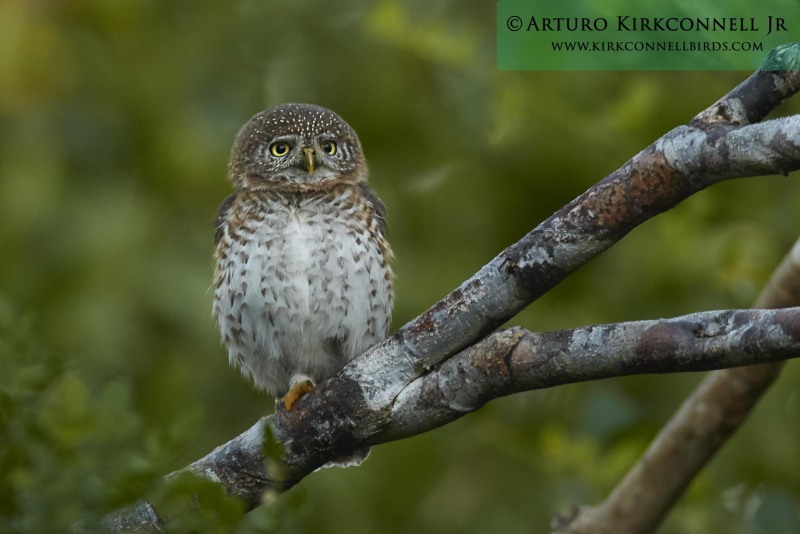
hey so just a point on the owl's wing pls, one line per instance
(377, 205)
(222, 214)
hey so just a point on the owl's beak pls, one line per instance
(309, 153)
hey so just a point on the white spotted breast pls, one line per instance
(302, 283)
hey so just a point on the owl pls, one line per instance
(302, 281)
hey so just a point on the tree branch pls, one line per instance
(359, 405)
(516, 360)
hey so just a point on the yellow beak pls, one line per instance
(309, 153)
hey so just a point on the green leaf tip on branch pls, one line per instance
(782, 57)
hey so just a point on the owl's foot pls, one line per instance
(301, 385)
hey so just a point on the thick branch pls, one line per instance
(516, 360)
(357, 406)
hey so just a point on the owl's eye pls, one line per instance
(329, 147)
(279, 149)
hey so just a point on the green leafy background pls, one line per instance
(116, 122)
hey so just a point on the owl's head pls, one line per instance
(295, 144)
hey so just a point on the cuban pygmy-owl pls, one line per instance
(302, 279)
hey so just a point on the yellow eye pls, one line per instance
(329, 147)
(279, 149)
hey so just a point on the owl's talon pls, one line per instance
(295, 392)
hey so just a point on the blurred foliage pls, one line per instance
(117, 117)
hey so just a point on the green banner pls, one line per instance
(627, 35)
